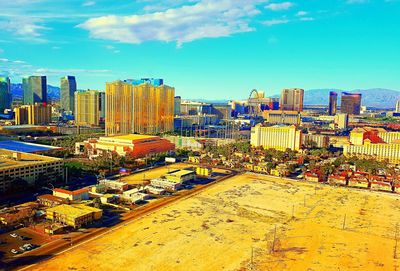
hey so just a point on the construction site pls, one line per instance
(250, 222)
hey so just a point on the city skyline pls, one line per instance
(227, 49)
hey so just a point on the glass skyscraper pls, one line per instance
(67, 91)
(332, 103)
(351, 103)
(35, 89)
(5, 93)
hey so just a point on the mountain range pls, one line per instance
(376, 97)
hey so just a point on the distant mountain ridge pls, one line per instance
(53, 93)
(375, 97)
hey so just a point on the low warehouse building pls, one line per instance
(165, 184)
(77, 195)
(180, 176)
(137, 196)
(114, 185)
(133, 145)
(50, 200)
(73, 215)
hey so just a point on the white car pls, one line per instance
(14, 251)
(14, 235)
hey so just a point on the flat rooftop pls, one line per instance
(26, 147)
(129, 137)
(180, 173)
(74, 211)
(7, 160)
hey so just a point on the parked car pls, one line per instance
(14, 235)
(21, 237)
(14, 251)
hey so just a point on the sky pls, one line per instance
(208, 49)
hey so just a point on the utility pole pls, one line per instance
(252, 258)
(273, 242)
(293, 211)
(396, 235)
(344, 221)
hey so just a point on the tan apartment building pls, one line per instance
(144, 108)
(87, 108)
(37, 114)
(276, 137)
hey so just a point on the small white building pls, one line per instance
(137, 196)
(165, 184)
(77, 195)
(155, 190)
(115, 185)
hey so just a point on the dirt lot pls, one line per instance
(139, 177)
(231, 226)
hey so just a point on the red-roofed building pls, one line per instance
(77, 195)
(50, 200)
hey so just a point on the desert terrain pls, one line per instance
(251, 222)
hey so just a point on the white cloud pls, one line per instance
(19, 62)
(112, 49)
(279, 6)
(307, 19)
(205, 19)
(275, 22)
(4, 60)
(301, 13)
(24, 27)
(89, 3)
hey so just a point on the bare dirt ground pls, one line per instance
(231, 226)
(140, 177)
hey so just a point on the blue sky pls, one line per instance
(205, 48)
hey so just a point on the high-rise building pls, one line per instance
(143, 108)
(332, 103)
(5, 93)
(276, 137)
(351, 103)
(223, 111)
(34, 89)
(153, 109)
(398, 106)
(119, 108)
(36, 114)
(177, 105)
(292, 99)
(87, 109)
(152, 81)
(67, 90)
(102, 104)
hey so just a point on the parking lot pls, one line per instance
(30, 236)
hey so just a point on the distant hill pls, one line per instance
(376, 97)
(53, 93)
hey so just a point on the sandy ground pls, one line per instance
(231, 226)
(138, 178)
